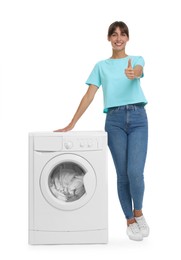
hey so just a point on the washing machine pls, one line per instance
(68, 193)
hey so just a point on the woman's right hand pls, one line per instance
(65, 129)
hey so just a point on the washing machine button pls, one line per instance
(68, 145)
(82, 144)
(89, 144)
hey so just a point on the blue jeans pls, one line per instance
(127, 129)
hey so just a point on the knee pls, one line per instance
(136, 180)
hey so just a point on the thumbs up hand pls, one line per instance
(129, 71)
(133, 73)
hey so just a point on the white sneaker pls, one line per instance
(143, 226)
(134, 232)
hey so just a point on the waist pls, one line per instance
(128, 107)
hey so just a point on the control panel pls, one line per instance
(81, 143)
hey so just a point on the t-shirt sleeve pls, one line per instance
(94, 78)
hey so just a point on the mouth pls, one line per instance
(118, 44)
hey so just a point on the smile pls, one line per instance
(118, 43)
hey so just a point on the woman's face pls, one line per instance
(118, 40)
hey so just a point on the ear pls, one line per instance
(108, 38)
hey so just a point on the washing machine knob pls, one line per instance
(82, 144)
(89, 144)
(68, 145)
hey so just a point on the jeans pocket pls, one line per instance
(141, 110)
(113, 110)
(142, 114)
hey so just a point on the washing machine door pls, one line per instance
(68, 182)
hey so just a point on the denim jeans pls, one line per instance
(127, 129)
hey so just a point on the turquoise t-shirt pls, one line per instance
(118, 90)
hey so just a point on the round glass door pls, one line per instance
(68, 181)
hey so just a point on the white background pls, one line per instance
(47, 50)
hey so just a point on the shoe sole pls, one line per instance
(145, 235)
(135, 239)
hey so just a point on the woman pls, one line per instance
(126, 123)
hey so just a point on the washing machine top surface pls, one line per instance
(69, 133)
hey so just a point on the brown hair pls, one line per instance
(123, 27)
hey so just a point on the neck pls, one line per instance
(118, 54)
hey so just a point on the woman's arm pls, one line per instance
(85, 102)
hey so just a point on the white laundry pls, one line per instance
(66, 182)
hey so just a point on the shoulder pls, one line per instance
(100, 65)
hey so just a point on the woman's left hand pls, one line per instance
(129, 71)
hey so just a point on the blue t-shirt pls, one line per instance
(118, 90)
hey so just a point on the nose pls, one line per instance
(119, 37)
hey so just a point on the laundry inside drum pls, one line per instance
(66, 181)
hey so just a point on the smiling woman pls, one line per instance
(126, 123)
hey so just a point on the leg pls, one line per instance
(117, 142)
(137, 150)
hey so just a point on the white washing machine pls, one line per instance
(68, 197)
